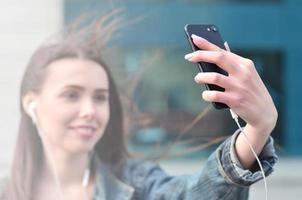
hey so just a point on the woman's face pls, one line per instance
(73, 107)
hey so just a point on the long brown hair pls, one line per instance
(88, 42)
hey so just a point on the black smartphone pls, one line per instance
(211, 33)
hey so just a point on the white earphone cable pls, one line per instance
(235, 117)
(86, 176)
(49, 155)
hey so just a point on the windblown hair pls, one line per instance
(84, 41)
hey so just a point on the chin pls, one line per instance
(79, 148)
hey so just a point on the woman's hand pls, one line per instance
(244, 93)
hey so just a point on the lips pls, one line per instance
(87, 127)
(85, 132)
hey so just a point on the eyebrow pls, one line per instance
(82, 88)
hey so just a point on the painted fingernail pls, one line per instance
(195, 79)
(188, 56)
(197, 38)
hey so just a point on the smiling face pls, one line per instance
(73, 106)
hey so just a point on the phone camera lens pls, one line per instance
(208, 29)
(213, 28)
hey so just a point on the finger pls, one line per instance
(214, 78)
(204, 44)
(215, 96)
(223, 59)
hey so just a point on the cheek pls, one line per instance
(107, 112)
(102, 118)
(103, 115)
(56, 122)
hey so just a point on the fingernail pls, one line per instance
(195, 78)
(197, 38)
(188, 56)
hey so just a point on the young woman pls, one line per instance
(70, 143)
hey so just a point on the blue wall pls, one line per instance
(265, 26)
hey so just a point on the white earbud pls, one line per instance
(31, 111)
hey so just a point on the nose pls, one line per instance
(88, 110)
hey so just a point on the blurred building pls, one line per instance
(266, 31)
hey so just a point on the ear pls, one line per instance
(26, 100)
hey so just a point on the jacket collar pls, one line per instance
(108, 186)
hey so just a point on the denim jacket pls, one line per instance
(222, 177)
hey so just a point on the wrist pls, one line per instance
(266, 125)
(263, 130)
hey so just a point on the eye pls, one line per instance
(101, 97)
(72, 95)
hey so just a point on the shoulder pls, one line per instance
(151, 181)
(139, 164)
(139, 172)
(140, 167)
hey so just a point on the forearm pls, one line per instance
(257, 137)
